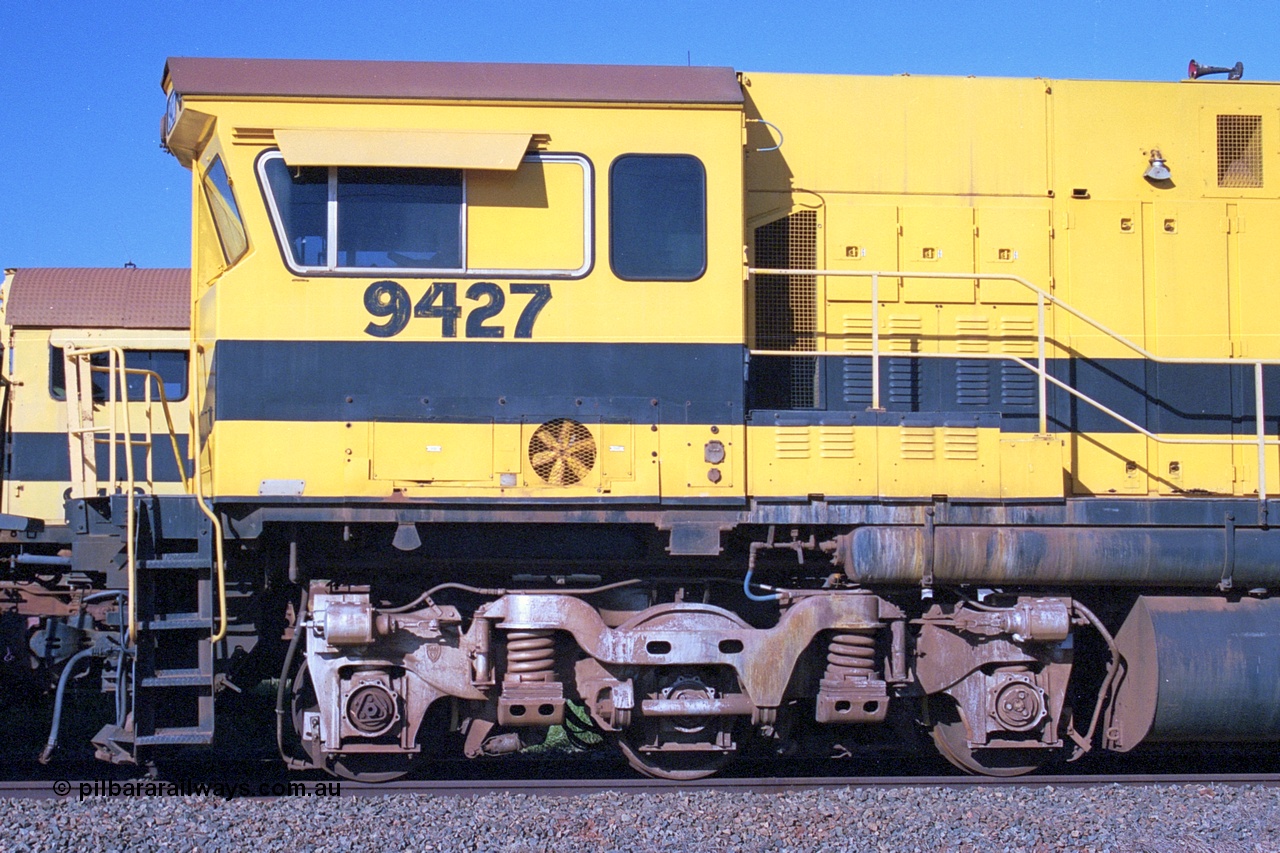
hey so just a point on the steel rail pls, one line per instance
(550, 787)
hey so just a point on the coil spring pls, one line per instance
(851, 655)
(530, 655)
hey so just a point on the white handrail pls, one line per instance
(1043, 298)
(118, 401)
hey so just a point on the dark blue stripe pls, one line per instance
(1167, 399)
(462, 381)
(44, 456)
(817, 417)
(465, 380)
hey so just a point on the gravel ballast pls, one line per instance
(1146, 819)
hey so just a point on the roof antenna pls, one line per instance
(130, 265)
(688, 59)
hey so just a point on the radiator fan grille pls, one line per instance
(562, 452)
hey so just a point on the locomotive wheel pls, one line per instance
(675, 766)
(370, 768)
(678, 764)
(356, 768)
(951, 737)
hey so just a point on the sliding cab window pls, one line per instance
(169, 365)
(658, 217)
(532, 220)
(225, 212)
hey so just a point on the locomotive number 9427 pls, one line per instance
(391, 300)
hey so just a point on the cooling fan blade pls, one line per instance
(562, 452)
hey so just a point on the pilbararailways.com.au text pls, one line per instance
(191, 788)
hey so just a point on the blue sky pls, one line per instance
(84, 183)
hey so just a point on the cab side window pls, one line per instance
(658, 217)
(170, 365)
(530, 221)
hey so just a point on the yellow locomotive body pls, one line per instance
(974, 374)
(1045, 181)
(1038, 180)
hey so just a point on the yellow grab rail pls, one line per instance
(219, 559)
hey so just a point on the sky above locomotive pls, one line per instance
(83, 181)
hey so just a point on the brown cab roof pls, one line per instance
(482, 81)
(114, 298)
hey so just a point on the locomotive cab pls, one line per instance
(445, 287)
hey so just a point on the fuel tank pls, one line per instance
(1197, 669)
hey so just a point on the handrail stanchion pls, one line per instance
(118, 440)
(111, 416)
(1043, 301)
(1044, 396)
(875, 341)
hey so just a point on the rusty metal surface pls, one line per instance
(113, 298)
(1038, 555)
(695, 634)
(419, 658)
(1005, 690)
(1198, 669)
(470, 81)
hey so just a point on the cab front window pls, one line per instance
(225, 212)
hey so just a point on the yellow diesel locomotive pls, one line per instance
(704, 411)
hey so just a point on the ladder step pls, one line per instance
(176, 561)
(177, 678)
(176, 622)
(185, 736)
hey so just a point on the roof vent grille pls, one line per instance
(1239, 151)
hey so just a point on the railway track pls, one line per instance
(72, 789)
(1152, 812)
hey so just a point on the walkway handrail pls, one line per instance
(1043, 298)
(116, 379)
(118, 401)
